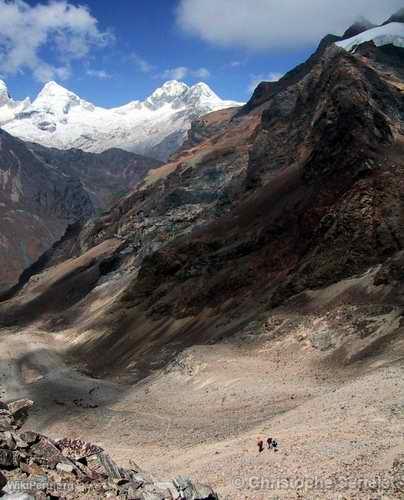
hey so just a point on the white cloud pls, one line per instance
(99, 73)
(201, 73)
(183, 72)
(255, 80)
(175, 73)
(141, 63)
(264, 24)
(25, 30)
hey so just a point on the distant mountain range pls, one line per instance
(155, 127)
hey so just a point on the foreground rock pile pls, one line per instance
(33, 466)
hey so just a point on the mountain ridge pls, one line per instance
(60, 118)
(251, 286)
(43, 190)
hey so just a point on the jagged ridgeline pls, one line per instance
(156, 127)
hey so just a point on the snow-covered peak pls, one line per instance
(53, 89)
(203, 91)
(55, 99)
(8, 107)
(389, 34)
(4, 95)
(168, 92)
(52, 92)
(157, 126)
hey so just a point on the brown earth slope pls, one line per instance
(262, 208)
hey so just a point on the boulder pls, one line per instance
(102, 464)
(3, 406)
(3, 480)
(9, 459)
(19, 442)
(46, 453)
(6, 421)
(86, 474)
(170, 487)
(203, 492)
(30, 437)
(7, 441)
(66, 468)
(21, 405)
(76, 449)
(189, 491)
(19, 410)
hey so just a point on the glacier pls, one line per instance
(389, 34)
(155, 127)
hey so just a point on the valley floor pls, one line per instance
(201, 416)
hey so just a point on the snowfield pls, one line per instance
(156, 127)
(390, 34)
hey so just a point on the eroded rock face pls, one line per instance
(75, 469)
(44, 190)
(105, 176)
(37, 203)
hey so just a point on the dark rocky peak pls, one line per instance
(267, 90)
(398, 17)
(359, 26)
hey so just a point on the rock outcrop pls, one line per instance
(34, 465)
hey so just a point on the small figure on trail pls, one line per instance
(269, 443)
(275, 445)
(260, 444)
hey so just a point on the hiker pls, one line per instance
(260, 444)
(275, 445)
(269, 443)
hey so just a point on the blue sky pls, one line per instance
(115, 51)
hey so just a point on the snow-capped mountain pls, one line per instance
(387, 34)
(8, 107)
(157, 126)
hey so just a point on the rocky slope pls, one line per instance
(38, 467)
(280, 226)
(105, 176)
(156, 127)
(239, 218)
(43, 190)
(37, 203)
